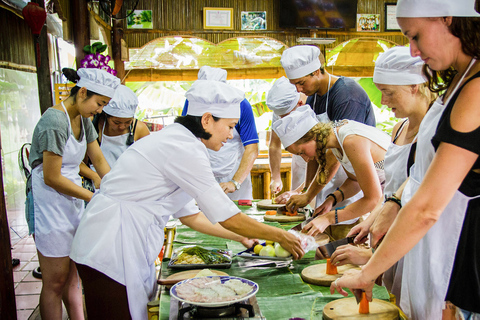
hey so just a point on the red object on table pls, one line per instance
(245, 202)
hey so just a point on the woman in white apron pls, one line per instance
(60, 140)
(164, 174)
(117, 129)
(428, 227)
(359, 149)
(404, 90)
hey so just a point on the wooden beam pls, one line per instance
(8, 308)
(43, 68)
(117, 35)
(192, 74)
(81, 32)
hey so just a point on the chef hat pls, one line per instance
(218, 98)
(98, 81)
(123, 104)
(294, 126)
(299, 61)
(209, 73)
(397, 67)
(282, 97)
(436, 8)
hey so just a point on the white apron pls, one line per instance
(396, 162)
(57, 215)
(428, 266)
(113, 146)
(225, 163)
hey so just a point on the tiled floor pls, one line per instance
(27, 288)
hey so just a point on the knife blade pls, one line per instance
(328, 249)
(358, 294)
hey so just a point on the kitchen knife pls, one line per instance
(328, 249)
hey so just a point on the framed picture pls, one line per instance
(217, 18)
(368, 22)
(390, 19)
(254, 20)
(140, 19)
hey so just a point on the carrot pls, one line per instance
(288, 213)
(363, 308)
(331, 269)
(271, 212)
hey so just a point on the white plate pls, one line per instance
(223, 279)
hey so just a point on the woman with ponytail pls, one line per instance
(359, 148)
(60, 140)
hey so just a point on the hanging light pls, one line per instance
(35, 17)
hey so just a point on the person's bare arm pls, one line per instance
(86, 172)
(52, 176)
(141, 130)
(248, 159)
(98, 160)
(200, 223)
(275, 160)
(250, 228)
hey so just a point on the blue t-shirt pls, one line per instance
(346, 100)
(246, 124)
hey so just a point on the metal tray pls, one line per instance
(171, 263)
(251, 255)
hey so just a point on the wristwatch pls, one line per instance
(236, 184)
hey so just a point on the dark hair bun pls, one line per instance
(71, 75)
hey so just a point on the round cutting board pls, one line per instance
(183, 275)
(347, 308)
(284, 218)
(267, 204)
(321, 239)
(316, 274)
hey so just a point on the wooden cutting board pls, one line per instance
(183, 275)
(284, 218)
(316, 274)
(321, 239)
(267, 205)
(347, 308)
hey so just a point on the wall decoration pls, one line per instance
(254, 20)
(217, 18)
(390, 18)
(368, 22)
(140, 19)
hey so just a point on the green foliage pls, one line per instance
(146, 16)
(96, 47)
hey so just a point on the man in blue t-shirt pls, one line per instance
(232, 164)
(333, 99)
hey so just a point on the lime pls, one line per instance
(257, 248)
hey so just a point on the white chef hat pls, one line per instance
(299, 61)
(218, 98)
(397, 67)
(98, 81)
(436, 8)
(209, 73)
(294, 126)
(282, 97)
(123, 104)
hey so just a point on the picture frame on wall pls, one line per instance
(217, 18)
(368, 22)
(140, 19)
(390, 18)
(254, 20)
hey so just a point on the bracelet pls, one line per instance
(304, 190)
(336, 215)
(396, 200)
(343, 194)
(334, 199)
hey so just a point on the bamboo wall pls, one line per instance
(186, 18)
(16, 41)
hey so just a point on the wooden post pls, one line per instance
(8, 308)
(81, 32)
(43, 69)
(117, 34)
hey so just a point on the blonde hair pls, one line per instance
(320, 133)
(424, 90)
